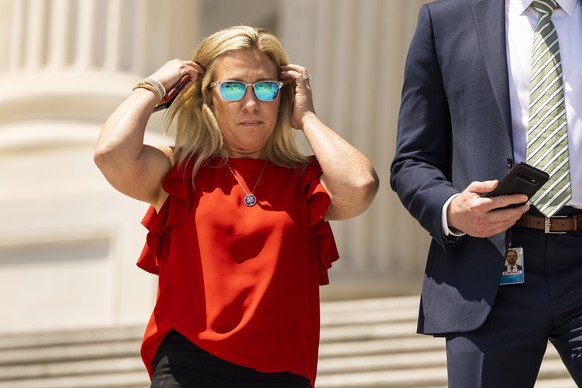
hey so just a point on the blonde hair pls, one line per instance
(198, 136)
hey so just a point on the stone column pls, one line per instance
(85, 53)
(355, 51)
(68, 241)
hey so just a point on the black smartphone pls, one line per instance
(521, 179)
(172, 94)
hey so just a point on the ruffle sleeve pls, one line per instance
(320, 230)
(175, 208)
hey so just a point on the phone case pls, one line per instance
(172, 94)
(521, 179)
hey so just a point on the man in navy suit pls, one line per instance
(462, 126)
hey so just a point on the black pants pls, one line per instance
(181, 364)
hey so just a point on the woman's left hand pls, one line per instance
(347, 175)
(303, 103)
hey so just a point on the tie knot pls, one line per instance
(544, 6)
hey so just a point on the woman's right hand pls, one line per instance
(173, 71)
(132, 167)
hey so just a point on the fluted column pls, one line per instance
(68, 240)
(355, 51)
(87, 51)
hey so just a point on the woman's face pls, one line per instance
(246, 124)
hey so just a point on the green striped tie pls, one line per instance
(547, 135)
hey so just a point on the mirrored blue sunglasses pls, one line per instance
(235, 90)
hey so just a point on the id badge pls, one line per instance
(514, 269)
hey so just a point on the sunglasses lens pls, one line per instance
(235, 90)
(266, 90)
(232, 90)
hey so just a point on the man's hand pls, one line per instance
(478, 216)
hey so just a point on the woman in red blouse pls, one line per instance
(238, 227)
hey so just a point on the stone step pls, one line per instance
(121, 379)
(84, 335)
(397, 309)
(68, 352)
(112, 364)
(364, 344)
(418, 369)
(556, 383)
(380, 346)
(383, 362)
(423, 377)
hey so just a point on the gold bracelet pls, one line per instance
(151, 88)
(157, 84)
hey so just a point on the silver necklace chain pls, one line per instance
(249, 199)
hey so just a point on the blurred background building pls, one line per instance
(69, 242)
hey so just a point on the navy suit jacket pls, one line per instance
(454, 127)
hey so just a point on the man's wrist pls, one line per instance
(448, 230)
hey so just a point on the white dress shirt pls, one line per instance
(520, 22)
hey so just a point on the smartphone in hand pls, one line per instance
(172, 94)
(521, 179)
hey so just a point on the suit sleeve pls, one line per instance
(421, 168)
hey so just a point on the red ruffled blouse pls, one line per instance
(241, 282)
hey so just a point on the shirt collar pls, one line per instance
(566, 5)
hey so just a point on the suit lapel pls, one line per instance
(488, 15)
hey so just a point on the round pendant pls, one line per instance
(250, 200)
